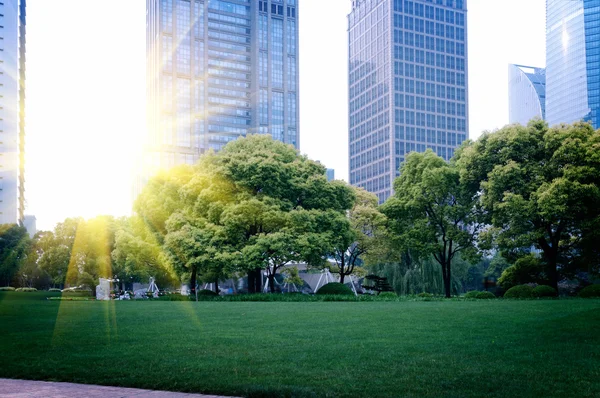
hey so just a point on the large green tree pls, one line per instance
(256, 205)
(540, 187)
(14, 246)
(431, 212)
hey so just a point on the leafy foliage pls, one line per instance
(519, 292)
(431, 212)
(14, 246)
(335, 288)
(485, 296)
(528, 269)
(591, 291)
(539, 187)
(544, 291)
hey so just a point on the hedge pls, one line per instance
(592, 291)
(519, 292)
(335, 288)
(544, 291)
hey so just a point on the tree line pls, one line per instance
(519, 205)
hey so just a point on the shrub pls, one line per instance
(76, 293)
(425, 295)
(335, 288)
(528, 269)
(175, 297)
(519, 292)
(485, 296)
(590, 291)
(387, 295)
(544, 291)
(26, 289)
(472, 294)
(54, 290)
(7, 289)
(205, 292)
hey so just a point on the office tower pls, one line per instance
(330, 174)
(526, 93)
(573, 61)
(12, 111)
(218, 70)
(408, 85)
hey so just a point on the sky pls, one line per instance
(86, 92)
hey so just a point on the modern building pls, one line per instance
(526, 93)
(12, 111)
(573, 61)
(30, 223)
(218, 70)
(330, 174)
(408, 86)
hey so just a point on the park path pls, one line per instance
(42, 389)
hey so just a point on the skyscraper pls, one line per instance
(12, 111)
(573, 61)
(218, 70)
(526, 93)
(408, 85)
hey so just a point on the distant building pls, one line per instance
(526, 93)
(12, 111)
(30, 224)
(408, 78)
(330, 174)
(218, 70)
(573, 61)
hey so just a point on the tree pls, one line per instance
(256, 205)
(14, 246)
(431, 212)
(55, 250)
(137, 256)
(539, 187)
(358, 234)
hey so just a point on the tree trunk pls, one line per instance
(272, 282)
(342, 277)
(553, 272)
(193, 282)
(254, 281)
(447, 279)
(217, 285)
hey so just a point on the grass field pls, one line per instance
(495, 348)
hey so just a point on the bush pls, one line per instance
(519, 292)
(175, 297)
(592, 291)
(544, 291)
(54, 290)
(77, 293)
(528, 269)
(425, 295)
(485, 296)
(335, 288)
(472, 294)
(26, 289)
(387, 295)
(7, 289)
(205, 292)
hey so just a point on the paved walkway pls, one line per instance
(39, 389)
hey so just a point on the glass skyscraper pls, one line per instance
(573, 61)
(408, 86)
(218, 70)
(526, 93)
(12, 111)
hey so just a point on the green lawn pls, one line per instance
(494, 348)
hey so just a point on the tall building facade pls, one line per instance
(526, 93)
(218, 70)
(12, 111)
(573, 61)
(408, 85)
